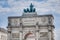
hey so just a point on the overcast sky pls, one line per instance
(15, 8)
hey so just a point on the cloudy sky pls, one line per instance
(15, 8)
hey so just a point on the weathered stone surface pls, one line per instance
(31, 26)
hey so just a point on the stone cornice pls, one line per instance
(49, 15)
(30, 26)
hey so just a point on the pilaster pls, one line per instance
(37, 32)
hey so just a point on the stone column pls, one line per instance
(9, 37)
(49, 32)
(37, 32)
(21, 35)
(21, 31)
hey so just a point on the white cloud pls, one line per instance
(42, 7)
